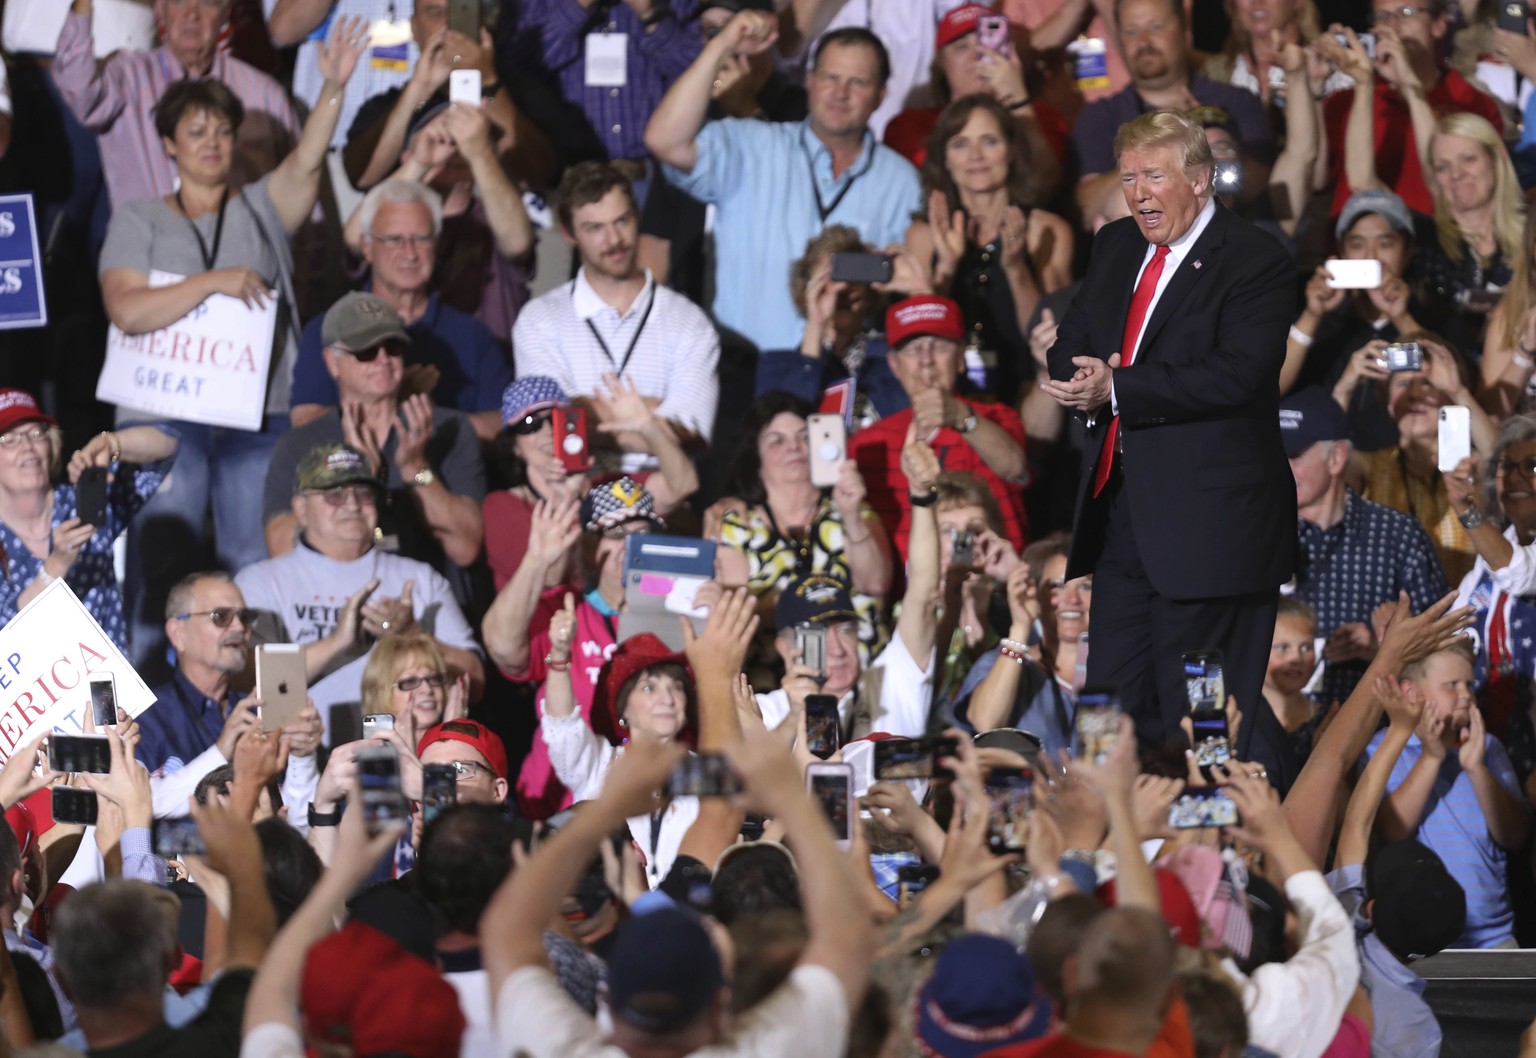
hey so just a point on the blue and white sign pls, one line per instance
(21, 275)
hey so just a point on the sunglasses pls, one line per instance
(223, 615)
(338, 495)
(407, 684)
(369, 355)
(531, 423)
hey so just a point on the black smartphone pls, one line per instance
(823, 726)
(1010, 792)
(1097, 722)
(174, 838)
(912, 879)
(439, 789)
(1202, 806)
(104, 700)
(77, 753)
(1211, 740)
(74, 806)
(703, 775)
(1204, 684)
(914, 758)
(861, 268)
(346, 723)
(378, 772)
(1512, 16)
(91, 496)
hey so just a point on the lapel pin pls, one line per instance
(1195, 264)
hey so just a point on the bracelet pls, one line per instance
(1013, 645)
(1021, 104)
(556, 665)
(928, 499)
(324, 819)
(1301, 337)
(1009, 649)
(117, 445)
(1470, 518)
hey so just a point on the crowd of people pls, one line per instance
(677, 444)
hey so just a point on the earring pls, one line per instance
(623, 722)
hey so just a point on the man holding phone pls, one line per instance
(1185, 514)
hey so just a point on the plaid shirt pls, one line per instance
(117, 100)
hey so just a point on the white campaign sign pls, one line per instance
(48, 653)
(210, 366)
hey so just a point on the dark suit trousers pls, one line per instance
(1138, 635)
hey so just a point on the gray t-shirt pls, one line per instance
(151, 236)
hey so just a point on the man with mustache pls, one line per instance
(1153, 36)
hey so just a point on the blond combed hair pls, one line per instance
(1508, 207)
(1161, 128)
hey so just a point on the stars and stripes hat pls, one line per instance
(616, 502)
(528, 395)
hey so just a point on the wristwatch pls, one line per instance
(968, 423)
(1470, 518)
(423, 478)
(324, 819)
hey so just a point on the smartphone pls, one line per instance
(1512, 16)
(703, 775)
(1455, 436)
(77, 753)
(811, 645)
(571, 448)
(823, 725)
(439, 790)
(962, 554)
(464, 87)
(104, 700)
(1367, 41)
(1479, 299)
(914, 758)
(464, 17)
(992, 35)
(832, 786)
(1228, 176)
(1211, 740)
(1352, 275)
(1403, 356)
(91, 496)
(373, 723)
(1010, 792)
(74, 806)
(1202, 806)
(177, 837)
(281, 683)
(861, 268)
(378, 772)
(912, 879)
(1097, 723)
(829, 447)
(1204, 685)
(346, 723)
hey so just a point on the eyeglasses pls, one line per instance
(222, 616)
(1525, 467)
(619, 532)
(394, 243)
(407, 684)
(16, 438)
(369, 355)
(339, 495)
(1388, 15)
(465, 769)
(531, 424)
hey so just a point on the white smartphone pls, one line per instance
(1353, 275)
(282, 684)
(829, 447)
(832, 786)
(464, 87)
(1455, 436)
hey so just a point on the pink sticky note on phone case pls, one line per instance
(652, 584)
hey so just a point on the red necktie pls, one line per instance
(1499, 696)
(1141, 301)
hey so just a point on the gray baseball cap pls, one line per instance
(361, 321)
(1385, 204)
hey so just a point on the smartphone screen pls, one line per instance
(79, 753)
(174, 838)
(1204, 683)
(914, 758)
(1098, 723)
(1010, 792)
(1211, 739)
(104, 700)
(74, 806)
(439, 790)
(378, 772)
(703, 775)
(832, 786)
(1202, 806)
(823, 727)
(912, 879)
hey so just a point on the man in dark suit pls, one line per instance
(1186, 513)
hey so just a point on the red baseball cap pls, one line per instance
(959, 22)
(634, 655)
(362, 989)
(1178, 909)
(18, 406)
(925, 314)
(473, 734)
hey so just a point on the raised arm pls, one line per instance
(1360, 814)
(295, 183)
(235, 852)
(916, 624)
(292, 21)
(993, 700)
(95, 92)
(675, 124)
(1290, 181)
(553, 532)
(504, 212)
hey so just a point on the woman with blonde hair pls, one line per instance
(1250, 58)
(1509, 345)
(408, 678)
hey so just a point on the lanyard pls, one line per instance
(656, 818)
(619, 368)
(822, 210)
(218, 229)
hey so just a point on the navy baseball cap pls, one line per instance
(1308, 416)
(982, 995)
(663, 970)
(815, 598)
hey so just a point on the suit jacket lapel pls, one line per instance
(1205, 252)
(1127, 267)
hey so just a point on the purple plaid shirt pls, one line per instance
(117, 100)
(551, 34)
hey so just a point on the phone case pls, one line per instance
(992, 34)
(1455, 437)
(829, 447)
(571, 443)
(1346, 274)
(281, 684)
(464, 87)
(91, 496)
